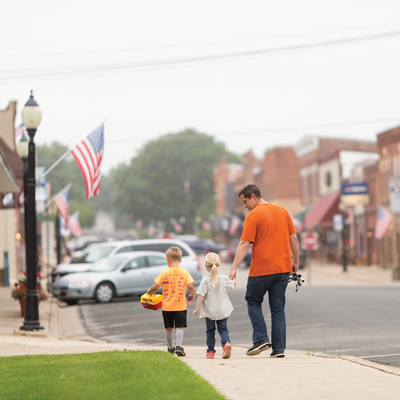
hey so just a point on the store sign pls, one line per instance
(354, 194)
(349, 189)
(394, 195)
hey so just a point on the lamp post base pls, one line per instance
(31, 326)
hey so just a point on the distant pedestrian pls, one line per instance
(270, 228)
(174, 307)
(214, 305)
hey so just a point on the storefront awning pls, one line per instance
(322, 211)
(8, 182)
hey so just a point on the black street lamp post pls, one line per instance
(342, 208)
(31, 117)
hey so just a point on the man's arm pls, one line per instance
(239, 256)
(153, 289)
(294, 245)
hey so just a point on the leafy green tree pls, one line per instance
(151, 187)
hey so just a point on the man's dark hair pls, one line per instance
(250, 189)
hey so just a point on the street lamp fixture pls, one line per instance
(31, 116)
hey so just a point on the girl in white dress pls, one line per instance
(214, 305)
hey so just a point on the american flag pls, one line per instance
(18, 132)
(74, 225)
(62, 203)
(89, 154)
(383, 220)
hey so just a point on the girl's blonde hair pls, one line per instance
(212, 263)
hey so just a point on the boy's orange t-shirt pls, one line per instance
(174, 281)
(269, 227)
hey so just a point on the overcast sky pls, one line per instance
(128, 62)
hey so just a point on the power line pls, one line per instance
(263, 131)
(176, 46)
(76, 70)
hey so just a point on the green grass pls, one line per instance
(106, 375)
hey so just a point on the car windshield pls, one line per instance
(93, 255)
(107, 264)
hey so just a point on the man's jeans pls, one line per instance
(275, 285)
(222, 326)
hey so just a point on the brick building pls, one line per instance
(389, 177)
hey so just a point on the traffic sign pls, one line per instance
(338, 222)
(309, 240)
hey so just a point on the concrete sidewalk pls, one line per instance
(298, 375)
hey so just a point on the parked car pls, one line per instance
(79, 245)
(120, 275)
(232, 251)
(203, 245)
(108, 249)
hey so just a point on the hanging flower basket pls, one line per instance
(19, 291)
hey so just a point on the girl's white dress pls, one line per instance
(216, 304)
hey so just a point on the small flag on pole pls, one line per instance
(383, 220)
(186, 186)
(62, 203)
(74, 225)
(18, 132)
(206, 225)
(89, 154)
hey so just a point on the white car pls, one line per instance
(120, 275)
(109, 249)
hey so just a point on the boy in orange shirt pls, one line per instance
(174, 306)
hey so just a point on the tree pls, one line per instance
(151, 187)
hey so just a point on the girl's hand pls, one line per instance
(195, 312)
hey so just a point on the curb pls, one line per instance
(365, 363)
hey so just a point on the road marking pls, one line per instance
(381, 355)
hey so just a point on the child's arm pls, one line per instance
(191, 291)
(199, 301)
(154, 289)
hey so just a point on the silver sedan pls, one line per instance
(117, 276)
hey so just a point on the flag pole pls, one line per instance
(54, 165)
(52, 199)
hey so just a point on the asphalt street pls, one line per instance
(357, 321)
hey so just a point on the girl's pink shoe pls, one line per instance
(210, 355)
(226, 350)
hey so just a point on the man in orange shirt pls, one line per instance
(270, 228)
(174, 307)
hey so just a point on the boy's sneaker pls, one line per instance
(226, 350)
(210, 355)
(277, 354)
(172, 351)
(258, 347)
(179, 351)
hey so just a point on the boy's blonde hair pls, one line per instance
(212, 263)
(174, 253)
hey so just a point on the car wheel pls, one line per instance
(104, 292)
(71, 302)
